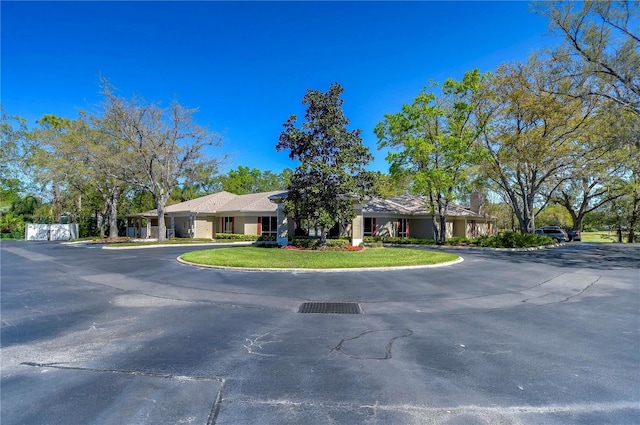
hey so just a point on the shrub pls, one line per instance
(307, 243)
(13, 235)
(503, 240)
(236, 237)
(513, 240)
(398, 240)
(457, 240)
(11, 224)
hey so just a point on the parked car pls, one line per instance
(554, 232)
(574, 235)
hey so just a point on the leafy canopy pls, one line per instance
(433, 142)
(332, 159)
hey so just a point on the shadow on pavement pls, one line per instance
(583, 255)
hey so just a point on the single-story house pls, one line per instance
(410, 216)
(220, 212)
(263, 214)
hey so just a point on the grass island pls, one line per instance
(281, 258)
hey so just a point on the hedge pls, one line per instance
(308, 243)
(398, 240)
(503, 240)
(236, 237)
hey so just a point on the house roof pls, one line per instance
(412, 205)
(220, 202)
(226, 202)
(252, 202)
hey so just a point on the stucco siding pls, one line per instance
(238, 224)
(250, 225)
(204, 227)
(459, 228)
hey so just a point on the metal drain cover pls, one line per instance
(330, 308)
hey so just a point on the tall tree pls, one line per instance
(601, 49)
(13, 149)
(533, 139)
(388, 185)
(100, 157)
(162, 146)
(50, 157)
(243, 180)
(596, 177)
(332, 159)
(627, 131)
(434, 141)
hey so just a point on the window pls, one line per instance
(403, 227)
(227, 225)
(269, 225)
(369, 226)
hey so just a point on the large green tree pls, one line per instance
(331, 172)
(14, 147)
(601, 48)
(534, 138)
(243, 180)
(49, 156)
(434, 141)
(99, 159)
(598, 175)
(162, 146)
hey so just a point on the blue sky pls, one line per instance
(246, 65)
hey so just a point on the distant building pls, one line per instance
(262, 214)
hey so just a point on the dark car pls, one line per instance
(574, 235)
(554, 232)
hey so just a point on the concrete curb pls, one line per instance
(478, 248)
(294, 270)
(115, 247)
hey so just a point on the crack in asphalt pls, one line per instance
(340, 347)
(257, 343)
(215, 409)
(581, 292)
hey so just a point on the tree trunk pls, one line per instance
(436, 228)
(619, 233)
(100, 224)
(113, 218)
(633, 219)
(162, 227)
(578, 222)
(57, 203)
(443, 229)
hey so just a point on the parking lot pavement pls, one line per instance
(541, 337)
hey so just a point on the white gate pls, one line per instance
(51, 232)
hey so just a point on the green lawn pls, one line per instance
(601, 236)
(255, 257)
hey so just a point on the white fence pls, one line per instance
(51, 232)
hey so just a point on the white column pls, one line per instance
(283, 226)
(357, 226)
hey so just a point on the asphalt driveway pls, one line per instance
(94, 336)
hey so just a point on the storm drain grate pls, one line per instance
(330, 308)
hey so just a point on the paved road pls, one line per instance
(94, 336)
